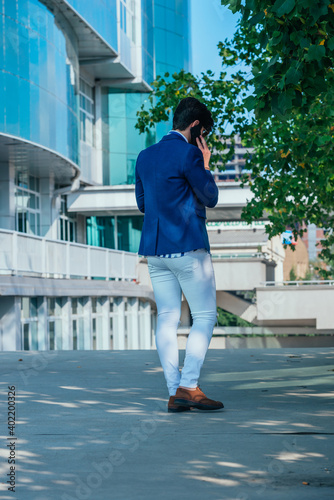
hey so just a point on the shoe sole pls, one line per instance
(199, 406)
(178, 410)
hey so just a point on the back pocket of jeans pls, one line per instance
(189, 263)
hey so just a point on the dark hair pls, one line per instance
(190, 109)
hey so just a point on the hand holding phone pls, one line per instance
(195, 132)
(202, 145)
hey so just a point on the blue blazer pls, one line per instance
(172, 190)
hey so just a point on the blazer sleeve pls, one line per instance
(200, 179)
(139, 192)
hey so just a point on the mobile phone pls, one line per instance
(195, 132)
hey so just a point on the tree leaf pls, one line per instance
(315, 53)
(293, 75)
(282, 7)
(330, 43)
(256, 19)
(250, 102)
(297, 36)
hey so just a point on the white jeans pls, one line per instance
(193, 275)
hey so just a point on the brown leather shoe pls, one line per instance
(175, 408)
(196, 399)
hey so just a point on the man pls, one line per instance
(173, 186)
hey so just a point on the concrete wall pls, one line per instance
(241, 274)
(132, 313)
(231, 274)
(131, 325)
(303, 305)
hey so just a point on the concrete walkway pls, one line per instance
(94, 425)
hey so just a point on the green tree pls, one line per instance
(291, 54)
(226, 318)
(222, 96)
(280, 99)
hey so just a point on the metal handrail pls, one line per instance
(41, 258)
(298, 283)
(257, 255)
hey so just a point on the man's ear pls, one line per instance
(193, 124)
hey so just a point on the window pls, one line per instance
(130, 171)
(27, 203)
(67, 224)
(77, 305)
(97, 319)
(128, 19)
(55, 323)
(101, 231)
(86, 112)
(29, 322)
(129, 232)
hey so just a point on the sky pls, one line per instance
(210, 24)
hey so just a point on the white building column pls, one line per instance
(104, 334)
(67, 339)
(10, 323)
(145, 325)
(133, 323)
(7, 197)
(119, 330)
(49, 214)
(85, 337)
(42, 325)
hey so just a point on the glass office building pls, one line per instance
(72, 76)
(102, 16)
(172, 43)
(39, 77)
(166, 36)
(166, 48)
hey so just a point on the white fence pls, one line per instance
(21, 253)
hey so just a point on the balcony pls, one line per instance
(25, 254)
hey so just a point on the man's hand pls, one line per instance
(205, 150)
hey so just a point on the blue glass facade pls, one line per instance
(171, 36)
(171, 43)
(39, 77)
(121, 232)
(101, 15)
(166, 45)
(147, 41)
(121, 142)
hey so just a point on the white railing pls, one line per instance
(22, 253)
(257, 255)
(298, 283)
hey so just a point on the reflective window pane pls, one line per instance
(74, 305)
(75, 334)
(39, 77)
(26, 345)
(33, 306)
(25, 312)
(51, 335)
(34, 336)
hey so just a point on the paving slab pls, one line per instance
(94, 425)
